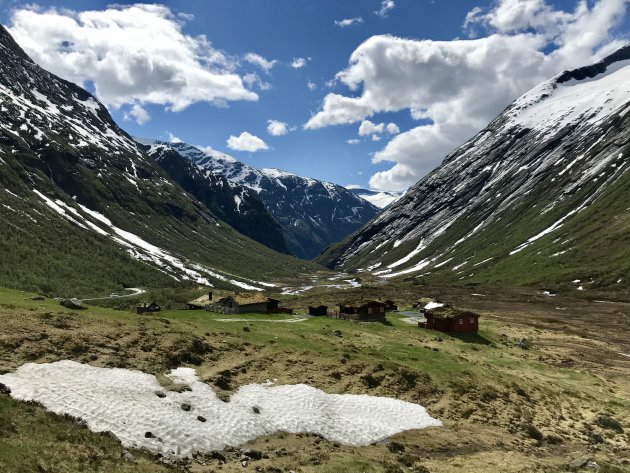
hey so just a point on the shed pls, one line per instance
(245, 302)
(448, 319)
(361, 310)
(152, 307)
(319, 310)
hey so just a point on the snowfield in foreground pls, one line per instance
(137, 410)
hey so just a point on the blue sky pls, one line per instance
(438, 70)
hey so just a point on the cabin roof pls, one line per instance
(249, 298)
(203, 300)
(448, 313)
(359, 303)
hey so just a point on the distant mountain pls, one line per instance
(83, 209)
(312, 214)
(237, 206)
(542, 195)
(380, 199)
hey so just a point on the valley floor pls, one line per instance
(555, 406)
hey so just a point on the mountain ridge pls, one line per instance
(503, 195)
(311, 213)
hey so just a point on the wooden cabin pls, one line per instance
(152, 307)
(247, 302)
(318, 311)
(447, 319)
(362, 310)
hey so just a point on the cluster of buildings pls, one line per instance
(437, 316)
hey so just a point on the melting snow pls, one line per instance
(125, 403)
(421, 246)
(433, 305)
(553, 105)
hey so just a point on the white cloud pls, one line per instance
(386, 7)
(172, 138)
(277, 128)
(353, 186)
(132, 54)
(446, 83)
(376, 138)
(348, 22)
(353, 141)
(253, 80)
(137, 113)
(392, 129)
(311, 86)
(298, 62)
(368, 128)
(259, 61)
(246, 142)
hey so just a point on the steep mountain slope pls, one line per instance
(237, 206)
(82, 208)
(312, 214)
(541, 195)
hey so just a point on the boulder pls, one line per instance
(74, 304)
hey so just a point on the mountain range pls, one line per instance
(540, 196)
(311, 214)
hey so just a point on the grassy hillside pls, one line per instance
(504, 408)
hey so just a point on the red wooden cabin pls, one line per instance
(447, 319)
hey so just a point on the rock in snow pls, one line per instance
(124, 402)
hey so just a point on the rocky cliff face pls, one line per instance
(312, 214)
(541, 194)
(82, 207)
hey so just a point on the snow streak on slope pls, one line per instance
(137, 247)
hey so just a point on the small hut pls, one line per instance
(318, 311)
(361, 310)
(447, 319)
(247, 302)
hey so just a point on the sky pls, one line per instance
(370, 93)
